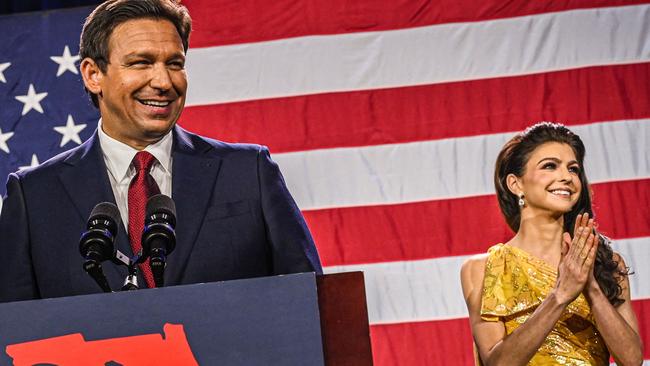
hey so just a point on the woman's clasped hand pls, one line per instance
(576, 267)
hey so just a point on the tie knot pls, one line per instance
(143, 161)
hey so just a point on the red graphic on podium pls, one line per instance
(170, 348)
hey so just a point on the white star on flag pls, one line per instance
(70, 131)
(3, 140)
(34, 163)
(3, 67)
(66, 62)
(32, 100)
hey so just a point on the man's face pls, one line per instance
(144, 86)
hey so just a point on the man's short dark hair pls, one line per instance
(102, 21)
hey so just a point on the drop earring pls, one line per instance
(521, 201)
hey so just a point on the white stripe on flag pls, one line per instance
(417, 56)
(424, 290)
(449, 168)
(636, 253)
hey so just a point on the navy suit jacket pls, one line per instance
(235, 219)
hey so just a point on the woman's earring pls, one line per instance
(521, 201)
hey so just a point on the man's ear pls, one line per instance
(514, 184)
(92, 75)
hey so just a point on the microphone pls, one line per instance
(96, 243)
(158, 236)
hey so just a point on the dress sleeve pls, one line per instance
(506, 286)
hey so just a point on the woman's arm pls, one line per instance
(494, 347)
(618, 326)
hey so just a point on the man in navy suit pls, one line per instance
(235, 216)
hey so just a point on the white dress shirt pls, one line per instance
(118, 157)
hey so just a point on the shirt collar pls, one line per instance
(118, 155)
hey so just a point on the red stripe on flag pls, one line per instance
(428, 112)
(453, 227)
(449, 342)
(446, 342)
(219, 22)
(622, 209)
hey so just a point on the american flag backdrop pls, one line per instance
(386, 117)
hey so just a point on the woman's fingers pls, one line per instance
(582, 220)
(576, 225)
(585, 219)
(579, 248)
(587, 232)
(591, 255)
(578, 255)
(591, 225)
(573, 251)
(578, 244)
(587, 248)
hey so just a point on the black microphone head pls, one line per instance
(161, 205)
(105, 212)
(96, 242)
(160, 221)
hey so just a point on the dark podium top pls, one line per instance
(296, 319)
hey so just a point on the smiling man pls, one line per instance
(235, 216)
(141, 89)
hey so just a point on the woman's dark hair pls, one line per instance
(512, 160)
(102, 21)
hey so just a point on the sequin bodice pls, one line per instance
(515, 284)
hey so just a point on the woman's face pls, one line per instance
(551, 181)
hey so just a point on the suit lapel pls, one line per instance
(85, 180)
(194, 173)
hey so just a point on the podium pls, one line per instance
(298, 319)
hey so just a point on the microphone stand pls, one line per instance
(94, 269)
(131, 280)
(157, 260)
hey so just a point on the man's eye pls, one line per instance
(139, 63)
(177, 65)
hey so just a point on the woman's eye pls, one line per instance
(574, 169)
(548, 166)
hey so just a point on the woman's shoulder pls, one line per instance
(471, 276)
(477, 262)
(472, 270)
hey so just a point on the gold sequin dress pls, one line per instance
(515, 284)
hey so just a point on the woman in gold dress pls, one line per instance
(554, 294)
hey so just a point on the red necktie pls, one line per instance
(141, 188)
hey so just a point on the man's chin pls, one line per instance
(157, 134)
(152, 131)
(157, 126)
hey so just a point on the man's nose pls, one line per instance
(160, 78)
